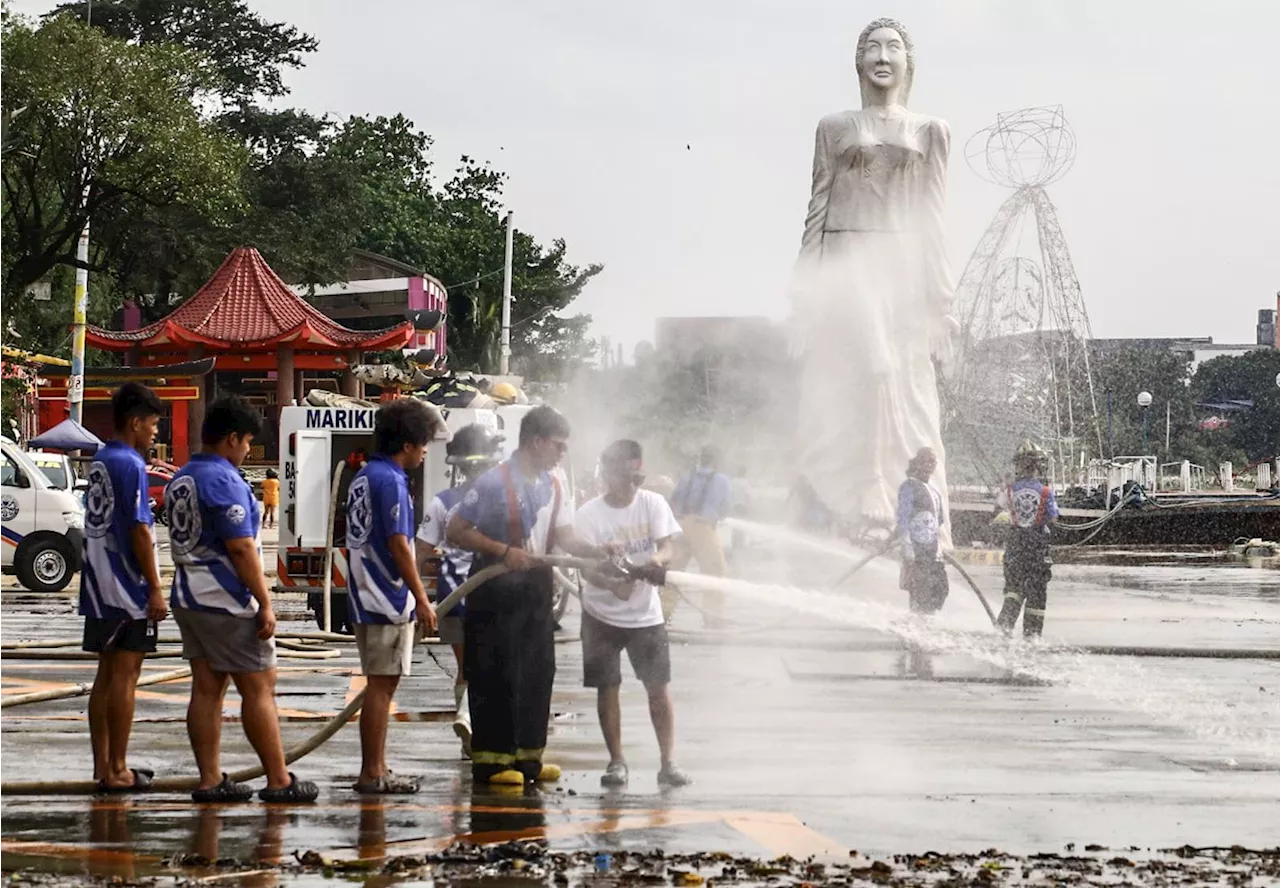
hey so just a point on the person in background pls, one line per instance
(625, 613)
(702, 500)
(509, 629)
(473, 450)
(1032, 509)
(383, 573)
(120, 595)
(924, 574)
(270, 498)
(222, 606)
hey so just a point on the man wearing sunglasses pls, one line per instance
(509, 628)
(626, 613)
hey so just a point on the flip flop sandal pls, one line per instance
(297, 791)
(388, 784)
(226, 791)
(141, 783)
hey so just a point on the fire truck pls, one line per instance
(315, 441)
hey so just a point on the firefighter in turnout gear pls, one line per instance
(1027, 566)
(472, 451)
(509, 629)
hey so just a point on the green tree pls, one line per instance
(108, 128)
(247, 51)
(1119, 375)
(1252, 377)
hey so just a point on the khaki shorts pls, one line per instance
(230, 644)
(385, 649)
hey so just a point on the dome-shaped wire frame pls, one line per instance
(1034, 146)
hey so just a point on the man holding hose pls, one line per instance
(509, 627)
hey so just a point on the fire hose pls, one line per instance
(181, 784)
(947, 556)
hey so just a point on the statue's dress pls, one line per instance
(871, 295)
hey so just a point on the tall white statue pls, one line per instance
(872, 291)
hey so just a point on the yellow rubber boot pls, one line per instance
(509, 777)
(549, 773)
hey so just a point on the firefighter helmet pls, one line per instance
(473, 444)
(1030, 455)
(505, 393)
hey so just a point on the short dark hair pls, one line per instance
(230, 415)
(133, 399)
(622, 451)
(400, 422)
(543, 422)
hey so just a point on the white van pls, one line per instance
(43, 530)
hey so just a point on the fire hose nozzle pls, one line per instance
(655, 574)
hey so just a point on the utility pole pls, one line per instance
(504, 361)
(75, 384)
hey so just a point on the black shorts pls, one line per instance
(109, 635)
(647, 648)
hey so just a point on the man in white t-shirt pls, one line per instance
(626, 613)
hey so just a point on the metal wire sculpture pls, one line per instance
(1022, 368)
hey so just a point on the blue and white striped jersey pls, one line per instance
(378, 508)
(209, 503)
(112, 585)
(455, 565)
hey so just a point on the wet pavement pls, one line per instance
(807, 733)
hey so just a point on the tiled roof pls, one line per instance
(245, 305)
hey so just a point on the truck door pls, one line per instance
(309, 512)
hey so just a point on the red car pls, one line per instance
(157, 480)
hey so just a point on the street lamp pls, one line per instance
(1144, 401)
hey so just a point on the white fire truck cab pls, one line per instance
(314, 442)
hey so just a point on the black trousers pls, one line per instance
(925, 580)
(1027, 570)
(509, 661)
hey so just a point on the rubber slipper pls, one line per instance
(226, 791)
(388, 784)
(141, 783)
(296, 791)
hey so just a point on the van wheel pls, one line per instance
(45, 563)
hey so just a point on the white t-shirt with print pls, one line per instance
(638, 527)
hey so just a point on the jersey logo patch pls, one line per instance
(359, 513)
(99, 502)
(236, 514)
(185, 524)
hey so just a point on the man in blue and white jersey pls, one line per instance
(120, 595)
(473, 450)
(383, 573)
(223, 609)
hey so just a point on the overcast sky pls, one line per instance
(672, 140)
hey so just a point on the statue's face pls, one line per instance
(884, 60)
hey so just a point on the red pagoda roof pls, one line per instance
(246, 307)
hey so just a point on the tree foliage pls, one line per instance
(245, 50)
(185, 161)
(1251, 377)
(107, 128)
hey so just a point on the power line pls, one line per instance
(475, 280)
